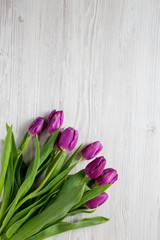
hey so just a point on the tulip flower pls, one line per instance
(108, 176)
(36, 126)
(54, 121)
(91, 150)
(68, 139)
(95, 168)
(97, 201)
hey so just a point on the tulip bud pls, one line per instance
(96, 167)
(108, 176)
(97, 201)
(91, 150)
(36, 126)
(68, 139)
(54, 121)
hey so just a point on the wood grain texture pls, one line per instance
(99, 61)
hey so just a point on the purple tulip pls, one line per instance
(108, 176)
(54, 121)
(36, 126)
(95, 168)
(68, 139)
(97, 201)
(91, 150)
(56, 145)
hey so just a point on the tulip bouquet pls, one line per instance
(38, 197)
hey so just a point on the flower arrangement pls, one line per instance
(37, 198)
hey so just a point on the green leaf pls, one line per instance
(17, 159)
(91, 194)
(60, 157)
(46, 150)
(86, 189)
(13, 158)
(58, 178)
(54, 191)
(58, 186)
(5, 157)
(53, 160)
(14, 148)
(26, 185)
(21, 166)
(69, 161)
(19, 163)
(57, 162)
(23, 141)
(49, 185)
(22, 213)
(14, 180)
(58, 209)
(65, 226)
(79, 211)
(9, 181)
(32, 210)
(7, 191)
(44, 166)
(18, 172)
(20, 151)
(3, 237)
(74, 180)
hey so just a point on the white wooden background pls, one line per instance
(99, 60)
